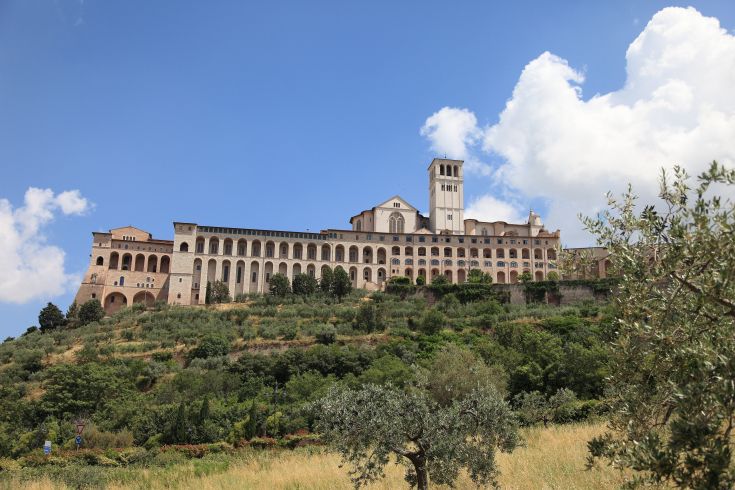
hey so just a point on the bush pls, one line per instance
(432, 321)
(326, 336)
(210, 346)
(91, 311)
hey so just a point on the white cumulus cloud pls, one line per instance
(677, 106)
(489, 208)
(29, 266)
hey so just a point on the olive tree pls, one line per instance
(673, 362)
(369, 425)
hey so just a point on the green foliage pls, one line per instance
(327, 335)
(432, 321)
(672, 360)
(50, 317)
(280, 286)
(456, 371)
(368, 425)
(326, 281)
(341, 284)
(476, 276)
(304, 285)
(91, 311)
(440, 280)
(210, 346)
(369, 318)
(533, 408)
(219, 293)
(420, 280)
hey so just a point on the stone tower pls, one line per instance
(446, 196)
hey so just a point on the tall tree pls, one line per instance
(673, 362)
(304, 284)
(368, 425)
(91, 311)
(50, 317)
(280, 286)
(341, 284)
(325, 283)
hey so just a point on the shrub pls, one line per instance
(432, 321)
(328, 335)
(210, 346)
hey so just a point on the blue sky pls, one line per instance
(162, 111)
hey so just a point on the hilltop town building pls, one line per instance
(391, 239)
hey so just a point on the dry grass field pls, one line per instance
(553, 458)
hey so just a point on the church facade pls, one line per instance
(129, 266)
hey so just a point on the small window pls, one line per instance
(94, 295)
(178, 296)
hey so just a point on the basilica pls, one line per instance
(128, 265)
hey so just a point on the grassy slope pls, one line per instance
(553, 458)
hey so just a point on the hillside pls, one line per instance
(240, 374)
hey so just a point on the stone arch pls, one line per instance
(460, 252)
(396, 250)
(283, 250)
(456, 171)
(239, 277)
(539, 276)
(408, 251)
(295, 271)
(225, 273)
(227, 246)
(253, 279)
(474, 252)
(448, 274)
(353, 276)
(422, 252)
(339, 253)
(501, 277)
(551, 254)
(311, 270)
(268, 273)
(100, 260)
(367, 274)
(513, 253)
(184, 247)
(367, 255)
(435, 251)
(326, 253)
(270, 249)
(525, 254)
(422, 273)
(447, 251)
(449, 170)
(283, 269)
(381, 276)
(197, 273)
(211, 270)
(114, 258)
(144, 297)
(139, 262)
(115, 301)
(127, 261)
(152, 265)
(538, 254)
(409, 273)
(298, 251)
(214, 245)
(199, 245)
(311, 251)
(381, 256)
(255, 248)
(354, 254)
(165, 264)
(434, 273)
(513, 277)
(242, 247)
(500, 253)
(441, 169)
(461, 276)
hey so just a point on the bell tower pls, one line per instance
(446, 196)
